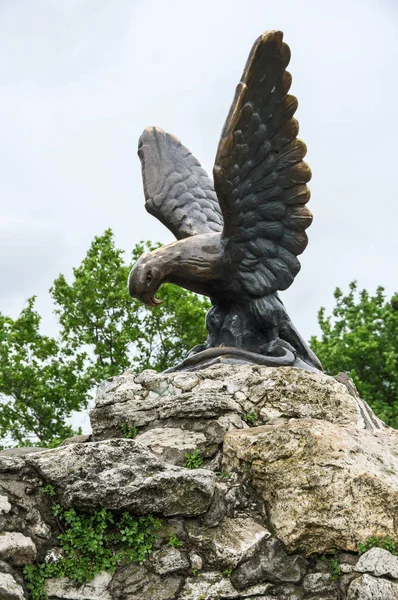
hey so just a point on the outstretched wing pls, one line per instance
(177, 189)
(259, 175)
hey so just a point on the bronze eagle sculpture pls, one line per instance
(239, 237)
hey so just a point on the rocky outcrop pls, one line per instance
(289, 471)
(324, 486)
(123, 475)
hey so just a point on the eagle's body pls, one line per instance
(238, 238)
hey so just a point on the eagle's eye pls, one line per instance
(148, 278)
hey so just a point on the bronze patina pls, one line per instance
(239, 236)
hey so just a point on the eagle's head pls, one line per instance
(144, 280)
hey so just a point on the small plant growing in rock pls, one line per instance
(333, 565)
(129, 431)
(250, 418)
(387, 543)
(227, 573)
(194, 572)
(175, 541)
(49, 490)
(223, 474)
(194, 460)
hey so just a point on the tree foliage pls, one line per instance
(102, 332)
(361, 338)
(41, 380)
(96, 312)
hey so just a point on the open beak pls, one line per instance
(150, 300)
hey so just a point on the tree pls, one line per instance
(96, 312)
(40, 381)
(102, 332)
(361, 338)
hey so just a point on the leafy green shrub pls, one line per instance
(194, 460)
(387, 543)
(91, 544)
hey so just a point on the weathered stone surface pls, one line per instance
(123, 474)
(233, 541)
(20, 488)
(212, 585)
(169, 560)
(272, 564)
(378, 562)
(77, 439)
(137, 583)
(321, 473)
(370, 588)
(320, 583)
(20, 452)
(196, 561)
(173, 443)
(97, 589)
(325, 486)
(9, 588)
(17, 549)
(5, 506)
(150, 399)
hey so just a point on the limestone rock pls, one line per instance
(272, 564)
(20, 489)
(5, 506)
(77, 439)
(17, 549)
(370, 588)
(316, 468)
(227, 545)
(169, 560)
(173, 443)
(325, 486)
(150, 399)
(123, 475)
(9, 589)
(319, 583)
(212, 585)
(196, 561)
(97, 589)
(135, 582)
(378, 562)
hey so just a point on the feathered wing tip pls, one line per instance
(259, 173)
(177, 189)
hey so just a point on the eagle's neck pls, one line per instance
(195, 263)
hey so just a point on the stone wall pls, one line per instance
(295, 470)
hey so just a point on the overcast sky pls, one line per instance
(80, 79)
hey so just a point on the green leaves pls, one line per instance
(43, 383)
(361, 338)
(93, 543)
(387, 543)
(193, 460)
(250, 418)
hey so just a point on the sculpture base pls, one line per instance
(281, 357)
(285, 466)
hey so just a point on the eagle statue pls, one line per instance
(239, 236)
